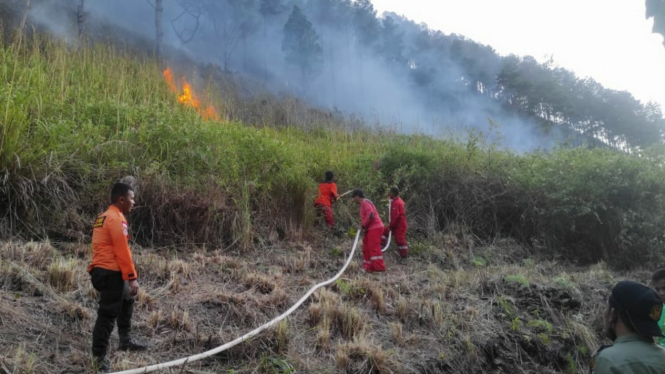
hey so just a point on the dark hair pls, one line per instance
(329, 176)
(358, 193)
(658, 275)
(119, 190)
(394, 191)
(621, 313)
(625, 319)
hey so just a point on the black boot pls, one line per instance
(127, 344)
(100, 364)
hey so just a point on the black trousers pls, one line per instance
(115, 305)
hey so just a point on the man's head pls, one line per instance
(633, 308)
(358, 196)
(329, 176)
(658, 283)
(394, 193)
(122, 196)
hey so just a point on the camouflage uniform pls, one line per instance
(636, 353)
(631, 354)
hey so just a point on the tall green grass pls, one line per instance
(76, 119)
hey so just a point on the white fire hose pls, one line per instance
(390, 233)
(251, 334)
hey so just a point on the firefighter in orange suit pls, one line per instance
(113, 274)
(327, 195)
(397, 223)
(373, 227)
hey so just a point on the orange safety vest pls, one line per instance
(110, 249)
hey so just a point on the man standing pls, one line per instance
(373, 227)
(631, 320)
(398, 224)
(327, 195)
(658, 283)
(113, 275)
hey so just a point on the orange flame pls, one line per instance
(189, 98)
(168, 74)
(210, 113)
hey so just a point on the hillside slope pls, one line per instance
(224, 236)
(74, 120)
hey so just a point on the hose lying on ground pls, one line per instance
(390, 233)
(249, 335)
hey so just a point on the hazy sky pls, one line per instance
(608, 40)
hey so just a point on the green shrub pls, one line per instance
(517, 279)
(541, 325)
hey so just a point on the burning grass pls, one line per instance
(188, 97)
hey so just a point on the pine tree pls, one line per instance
(270, 8)
(392, 41)
(367, 25)
(301, 44)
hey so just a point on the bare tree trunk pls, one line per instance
(265, 51)
(80, 16)
(159, 11)
(332, 68)
(244, 52)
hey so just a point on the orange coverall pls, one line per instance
(327, 194)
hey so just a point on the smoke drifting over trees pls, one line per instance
(339, 54)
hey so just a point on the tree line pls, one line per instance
(320, 39)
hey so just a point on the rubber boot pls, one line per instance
(100, 364)
(127, 344)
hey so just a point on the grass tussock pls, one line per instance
(37, 255)
(259, 282)
(282, 337)
(62, 274)
(331, 312)
(364, 356)
(23, 361)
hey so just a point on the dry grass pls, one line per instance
(37, 255)
(424, 316)
(373, 291)
(396, 332)
(179, 321)
(282, 337)
(77, 250)
(259, 282)
(62, 274)
(323, 335)
(74, 311)
(364, 356)
(350, 321)
(402, 309)
(144, 300)
(338, 315)
(23, 362)
(154, 319)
